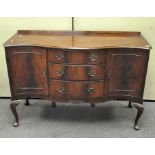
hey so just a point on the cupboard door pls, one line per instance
(126, 72)
(27, 70)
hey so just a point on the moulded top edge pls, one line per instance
(78, 39)
(56, 32)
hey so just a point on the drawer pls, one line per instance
(76, 89)
(76, 56)
(76, 72)
(56, 56)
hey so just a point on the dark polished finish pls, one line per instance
(54, 104)
(27, 102)
(77, 66)
(28, 70)
(14, 111)
(129, 105)
(140, 109)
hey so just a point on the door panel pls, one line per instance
(28, 70)
(126, 71)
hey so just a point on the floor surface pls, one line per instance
(108, 119)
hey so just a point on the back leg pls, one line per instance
(129, 105)
(54, 104)
(27, 102)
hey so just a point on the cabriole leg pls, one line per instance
(27, 102)
(13, 106)
(140, 109)
(54, 104)
(129, 105)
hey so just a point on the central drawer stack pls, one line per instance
(76, 74)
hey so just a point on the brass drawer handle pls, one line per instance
(93, 57)
(91, 73)
(60, 73)
(59, 56)
(91, 90)
(108, 75)
(44, 73)
(61, 90)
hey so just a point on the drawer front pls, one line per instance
(74, 72)
(56, 56)
(76, 89)
(76, 57)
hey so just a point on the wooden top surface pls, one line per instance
(78, 39)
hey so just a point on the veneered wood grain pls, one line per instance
(77, 40)
(56, 56)
(77, 56)
(76, 68)
(27, 66)
(49, 32)
(76, 89)
(75, 72)
(126, 72)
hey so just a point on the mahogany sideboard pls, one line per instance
(88, 66)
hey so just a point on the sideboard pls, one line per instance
(88, 66)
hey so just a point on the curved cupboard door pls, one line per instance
(28, 70)
(126, 72)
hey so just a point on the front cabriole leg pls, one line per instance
(140, 109)
(13, 106)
